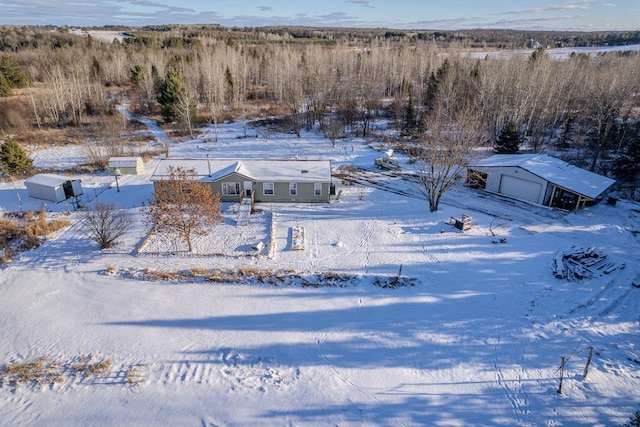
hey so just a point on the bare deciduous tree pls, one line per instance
(105, 224)
(334, 130)
(187, 109)
(444, 151)
(183, 206)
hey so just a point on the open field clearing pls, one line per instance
(475, 337)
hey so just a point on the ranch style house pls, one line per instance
(263, 180)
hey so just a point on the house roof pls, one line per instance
(276, 170)
(47, 180)
(554, 170)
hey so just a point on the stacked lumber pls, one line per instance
(578, 263)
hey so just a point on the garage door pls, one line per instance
(520, 188)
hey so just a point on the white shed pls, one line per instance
(538, 178)
(126, 165)
(52, 187)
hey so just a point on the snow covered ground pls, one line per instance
(477, 339)
(559, 53)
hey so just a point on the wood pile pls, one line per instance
(579, 263)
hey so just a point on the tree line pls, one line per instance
(587, 103)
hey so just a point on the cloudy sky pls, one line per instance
(584, 15)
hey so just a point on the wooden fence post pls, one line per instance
(561, 375)
(586, 368)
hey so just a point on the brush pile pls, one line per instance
(579, 263)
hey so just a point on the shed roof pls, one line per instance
(47, 180)
(116, 162)
(555, 171)
(263, 170)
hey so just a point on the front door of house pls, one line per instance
(248, 188)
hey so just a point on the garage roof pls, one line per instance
(555, 171)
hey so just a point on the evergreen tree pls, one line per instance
(171, 92)
(627, 166)
(14, 159)
(137, 73)
(508, 142)
(12, 71)
(537, 55)
(155, 75)
(434, 82)
(228, 78)
(97, 68)
(5, 86)
(410, 123)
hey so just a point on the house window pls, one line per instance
(317, 189)
(230, 188)
(293, 188)
(267, 188)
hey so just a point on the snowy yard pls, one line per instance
(477, 339)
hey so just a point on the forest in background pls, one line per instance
(62, 87)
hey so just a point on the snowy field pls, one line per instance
(559, 53)
(477, 339)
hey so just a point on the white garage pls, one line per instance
(520, 188)
(538, 178)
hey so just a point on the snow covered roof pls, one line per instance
(277, 170)
(117, 162)
(555, 171)
(47, 179)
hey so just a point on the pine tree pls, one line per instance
(97, 68)
(434, 82)
(12, 71)
(137, 74)
(228, 78)
(627, 166)
(14, 159)
(171, 92)
(5, 86)
(410, 124)
(537, 55)
(508, 142)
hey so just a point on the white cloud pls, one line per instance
(364, 3)
(554, 8)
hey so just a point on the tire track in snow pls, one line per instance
(607, 299)
(518, 399)
(422, 239)
(338, 374)
(61, 250)
(239, 371)
(366, 235)
(365, 243)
